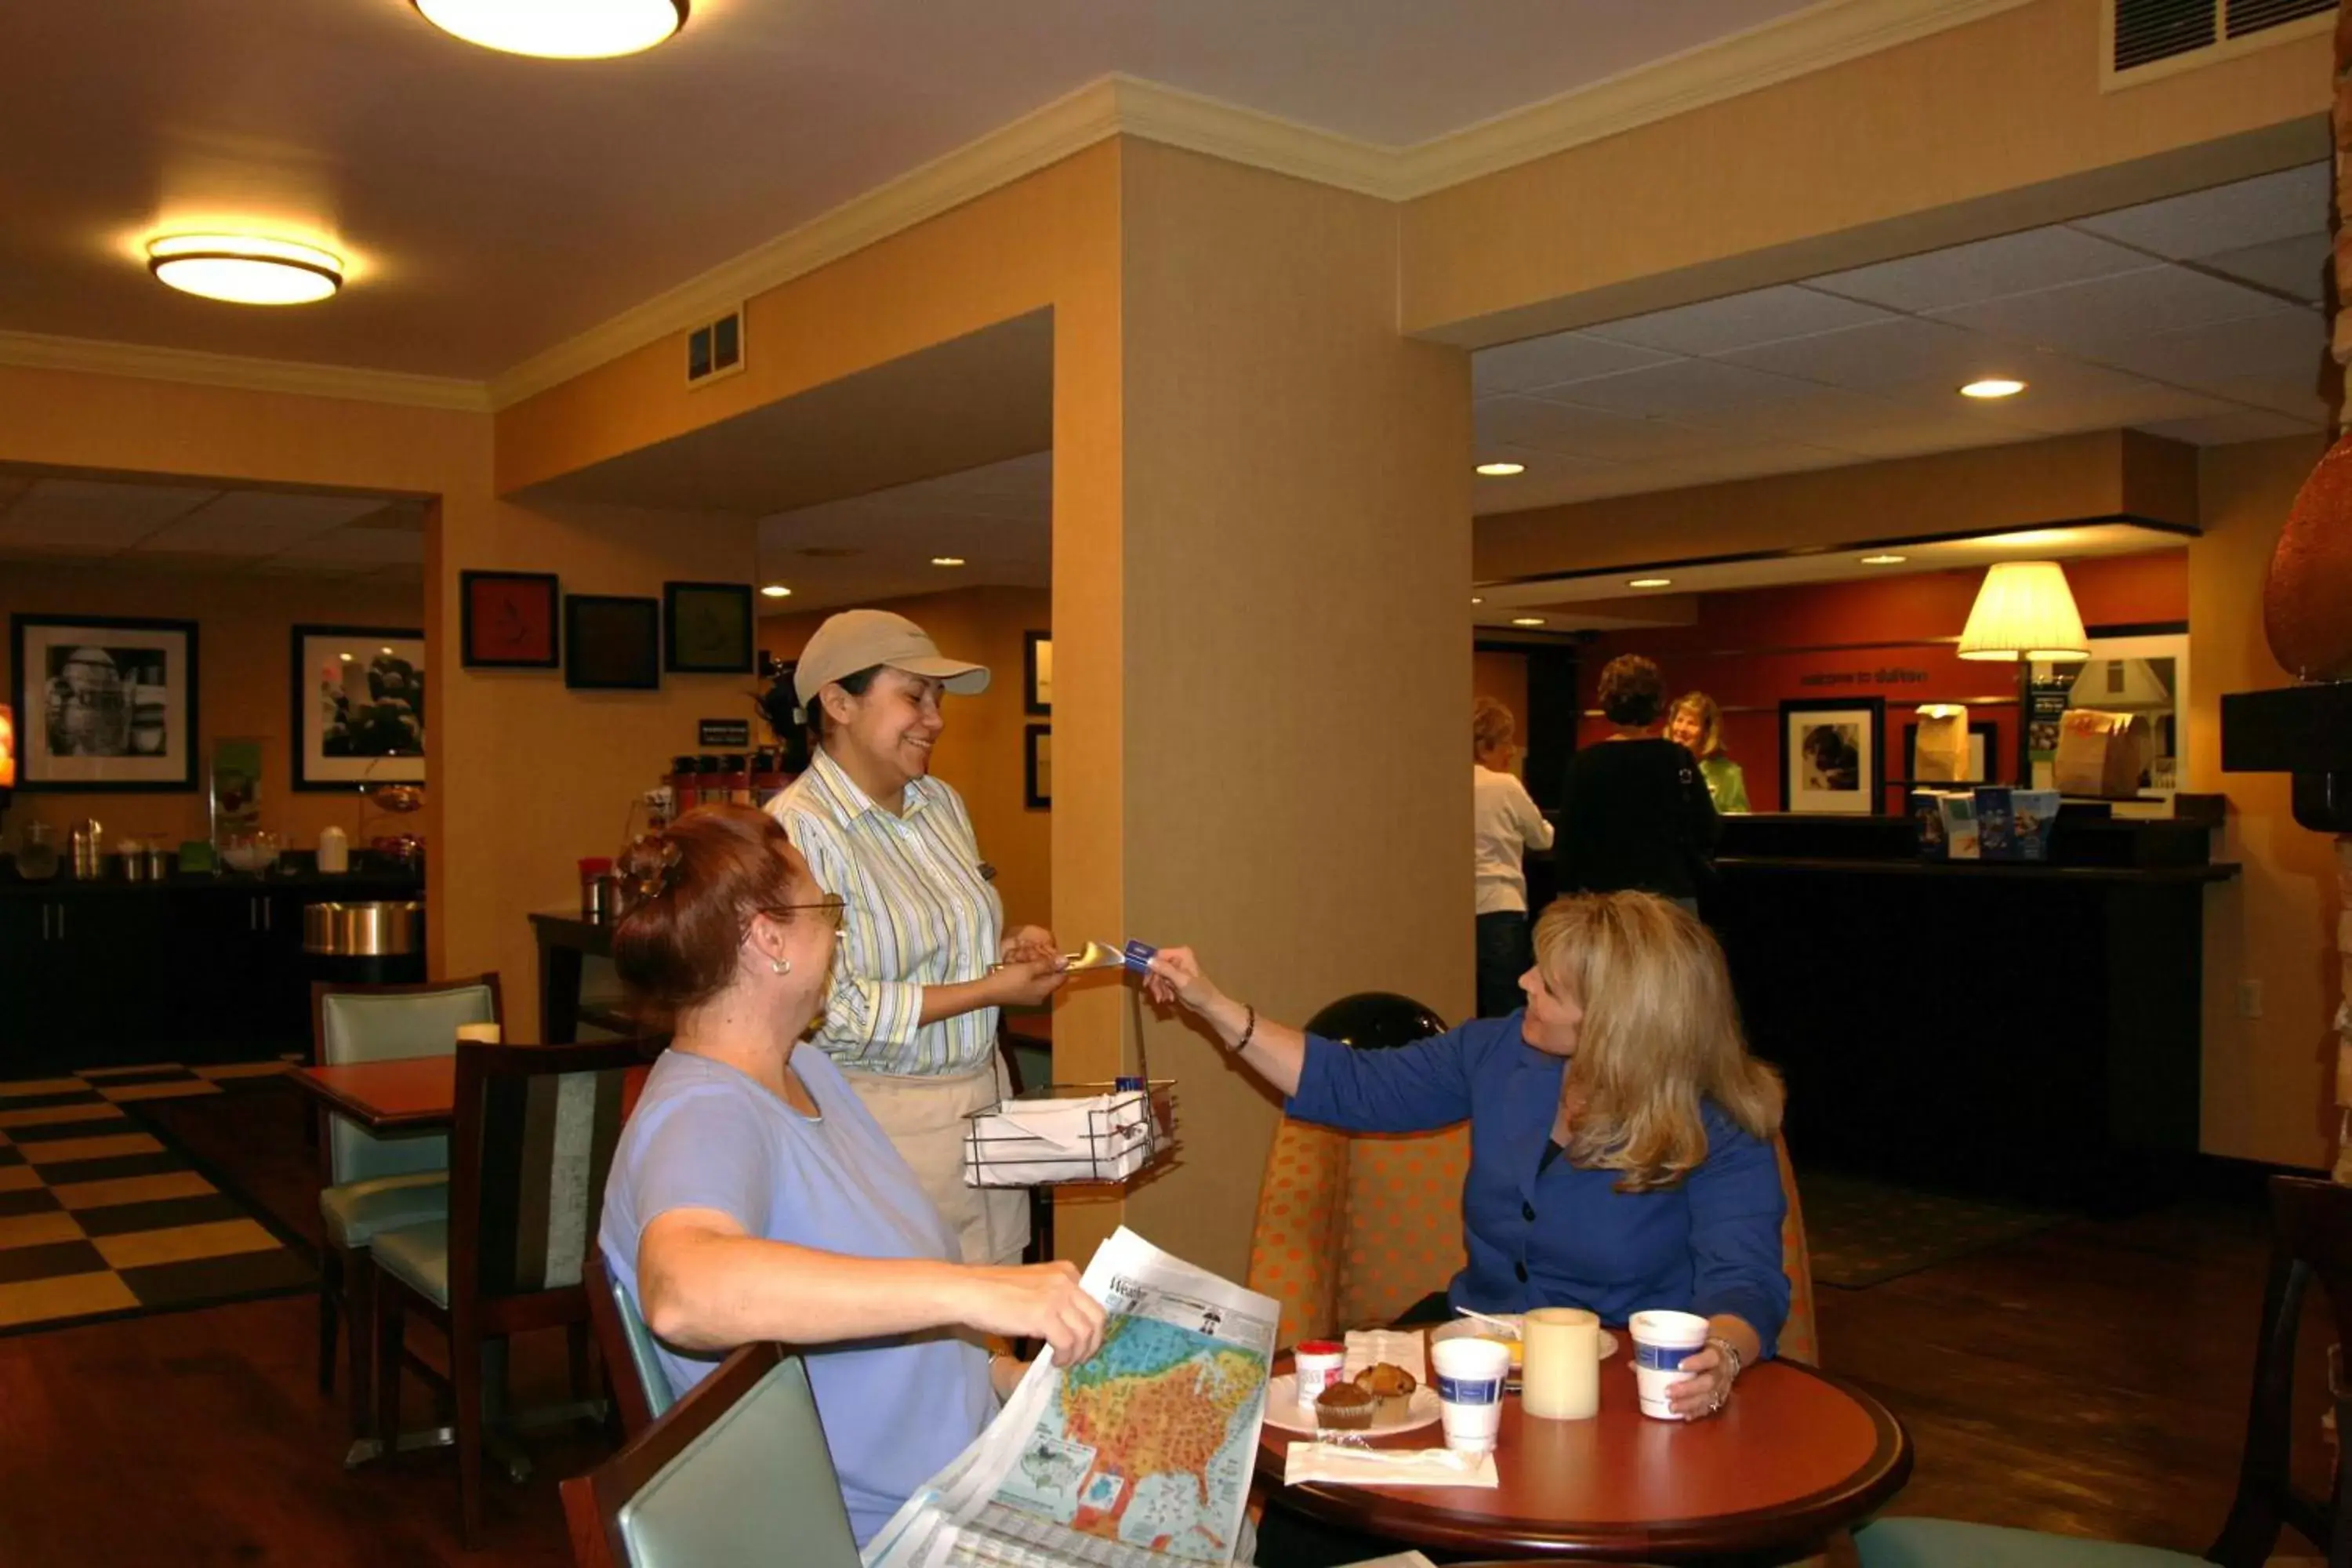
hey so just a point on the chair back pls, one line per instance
(375, 1023)
(2311, 1237)
(737, 1472)
(533, 1140)
(640, 1386)
(1799, 1336)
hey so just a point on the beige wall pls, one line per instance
(983, 751)
(2268, 1082)
(244, 660)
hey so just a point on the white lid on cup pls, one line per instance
(1661, 1327)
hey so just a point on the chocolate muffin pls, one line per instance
(1344, 1407)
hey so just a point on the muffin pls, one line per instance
(1388, 1384)
(1345, 1407)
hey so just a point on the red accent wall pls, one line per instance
(1864, 638)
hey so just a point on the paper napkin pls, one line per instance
(1345, 1465)
(1398, 1347)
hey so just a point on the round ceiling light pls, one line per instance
(1502, 470)
(946, 559)
(1648, 582)
(1527, 620)
(776, 591)
(1992, 386)
(244, 270)
(558, 30)
(1884, 560)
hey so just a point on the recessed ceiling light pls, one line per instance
(1648, 582)
(946, 559)
(346, 659)
(1502, 470)
(1993, 386)
(244, 270)
(777, 591)
(573, 30)
(387, 650)
(1884, 560)
(1476, 600)
(1527, 620)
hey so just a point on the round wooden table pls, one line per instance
(1795, 1455)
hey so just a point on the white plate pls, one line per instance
(1282, 1409)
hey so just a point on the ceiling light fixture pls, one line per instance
(575, 31)
(946, 559)
(1884, 560)
(1476, 600)
(1648, 582)
(1993, 386)
(244, 269)
(1527, 620)
(1502, 470)
(346, 657)
(776, 591)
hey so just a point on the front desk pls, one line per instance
(2023, 1030)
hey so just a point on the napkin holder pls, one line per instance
(1071, 1134)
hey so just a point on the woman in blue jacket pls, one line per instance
(1621, 1135)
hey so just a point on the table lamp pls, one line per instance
(2025, 611)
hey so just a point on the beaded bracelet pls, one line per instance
(1248, 1030)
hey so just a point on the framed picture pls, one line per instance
(358, 707)
(508, 620)
(1983, 752)
(104, 702)
(1037, 768)
(707, 628)
(1830, 755)
(611, 643)
(1038, 671)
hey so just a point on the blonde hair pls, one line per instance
(1492, 727)
(1710, 721)
(1661, 1034)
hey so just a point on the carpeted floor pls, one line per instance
(103, 1214)
(1864, 1233)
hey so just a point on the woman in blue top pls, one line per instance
(753, 1198)
(1621, 1152)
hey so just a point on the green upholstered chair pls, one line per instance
(1949, 1543)
(369, 1183)
(533, 1137)
(640, 1384)
(737, 1472)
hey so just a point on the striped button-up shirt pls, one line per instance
(920, 914)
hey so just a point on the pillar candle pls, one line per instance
(1562, 1377)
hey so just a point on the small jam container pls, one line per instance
(1319, 1363)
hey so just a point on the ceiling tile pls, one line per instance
(2144, 403)
(2086, 317)
(2222, 429)
(1582, 432)
(2289, 345)
(2227, 218)
(1684, 389)
(2298, 265)
(1550, 362)
(1739, 320)
(353, 547)
(256, 522)
(1968, 427)
(1555, 482)
(94, 514)
(1886, 357)
(1965, 274)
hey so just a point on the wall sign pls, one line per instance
(722, 732)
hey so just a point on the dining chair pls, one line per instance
(369, 1183)
(641, 1387)
(532, 1140)
(736, 1471)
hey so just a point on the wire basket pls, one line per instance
(1096, 1133)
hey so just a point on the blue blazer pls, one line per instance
(1566, 1239)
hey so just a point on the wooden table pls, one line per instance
(1795, 1455)
(403, 1094)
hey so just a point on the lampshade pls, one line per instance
(7, 748)
(2024, 611)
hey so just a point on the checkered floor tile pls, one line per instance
(99, 1215)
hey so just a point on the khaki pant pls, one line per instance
(925, 1120)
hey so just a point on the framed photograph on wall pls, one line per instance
(1037, 768)
(104, 702)
(1830, 759)
(1038, 671)
(358, 707)
(707, 628)
(1984, 753)
(508, 620)
(611, 643)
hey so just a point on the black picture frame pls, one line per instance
(533, 598)
(314, 764)
(41, 768)
(1866, 715)
(707, 628)
(1985, 729)
(1036, 698)
(611, 642)
(1037, 768)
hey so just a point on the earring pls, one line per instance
(781, 965)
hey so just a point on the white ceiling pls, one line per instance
(2195, 318)
(997, 518)
(198, 528)
(492, 205)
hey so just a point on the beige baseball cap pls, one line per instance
(860, 639)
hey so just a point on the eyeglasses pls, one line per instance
(835, 902)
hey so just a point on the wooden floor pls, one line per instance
(2091, 1380)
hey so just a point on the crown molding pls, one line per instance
(1152, 112)
(1816, 38)
(35, 350)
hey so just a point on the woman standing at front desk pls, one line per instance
(1621, 1152)
(922, 968)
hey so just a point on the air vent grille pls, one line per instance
(2151, 30)
(2178, 34)
(2254, 16)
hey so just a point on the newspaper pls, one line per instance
(1138, 1457)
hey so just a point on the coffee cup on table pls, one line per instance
(1662, 1340)
(1470, 1374)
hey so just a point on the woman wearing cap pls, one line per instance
(924, 963)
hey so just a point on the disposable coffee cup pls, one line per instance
(1661, 1342)
(1470, 1374)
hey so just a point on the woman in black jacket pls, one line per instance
(1636, 812)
